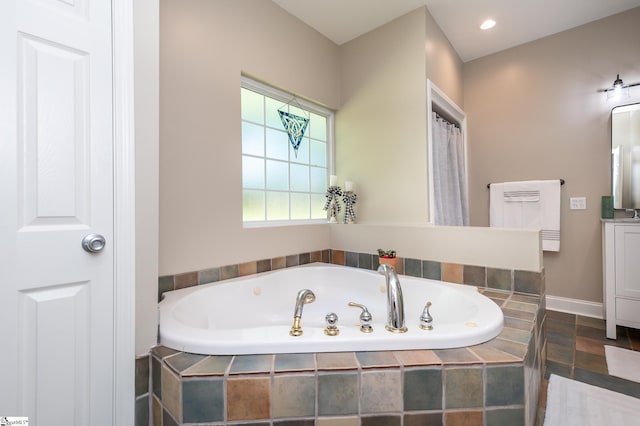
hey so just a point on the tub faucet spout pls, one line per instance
(304, 296)
(395, 302)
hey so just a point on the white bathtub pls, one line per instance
(253, 314)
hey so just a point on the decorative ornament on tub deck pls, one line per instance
(332, 205)
(388, 257)
(349, 199)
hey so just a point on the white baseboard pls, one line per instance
(575, 306)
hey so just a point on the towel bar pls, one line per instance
(561, 183)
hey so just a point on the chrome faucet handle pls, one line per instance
(426, 319)
(331, 320)
(635, 213)
(365, 318)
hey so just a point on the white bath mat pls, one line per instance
(573, 403)
(623, 363)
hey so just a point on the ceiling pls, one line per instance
(518, 21)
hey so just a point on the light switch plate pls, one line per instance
(578, 203)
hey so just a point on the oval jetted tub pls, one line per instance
(254, 314)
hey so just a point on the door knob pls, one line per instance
(93, 243)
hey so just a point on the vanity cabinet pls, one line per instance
(621, 269)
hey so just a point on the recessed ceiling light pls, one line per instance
(488, 24)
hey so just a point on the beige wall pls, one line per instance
(383, 80)
(380, 127)
(534, 113)
(205, 45)
(444, 66)
(491, 247)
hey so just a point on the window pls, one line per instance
(280, 185)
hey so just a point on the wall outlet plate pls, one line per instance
(578, 203)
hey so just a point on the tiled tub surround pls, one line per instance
(484, 277)
(142, 390)
(495, 383)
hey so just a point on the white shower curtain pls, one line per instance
(449, 174)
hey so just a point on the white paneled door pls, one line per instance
(56, 187)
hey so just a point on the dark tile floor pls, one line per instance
(575, 349)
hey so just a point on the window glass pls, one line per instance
(318, 153)
(277, 144)
(277, 175)
(273, 117)
(252, 173)
(252, 139)
(299, 178)
(277, 205)
(278, 183)
(318, 127)
(300, 206)
(252, 107)
(303, 152)
(318, 179)
(317, 206)
(253, 207)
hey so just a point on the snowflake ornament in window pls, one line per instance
(295, 127)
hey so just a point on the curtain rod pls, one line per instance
(561, 183)
(446, 120)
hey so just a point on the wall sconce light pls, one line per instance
(619, 90)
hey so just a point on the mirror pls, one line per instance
(625, 156)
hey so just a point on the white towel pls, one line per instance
(573, 403)
(531, 204)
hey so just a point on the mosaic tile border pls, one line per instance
(505, 280)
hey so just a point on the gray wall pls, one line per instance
(534, 112)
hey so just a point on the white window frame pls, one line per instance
(286, 97)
